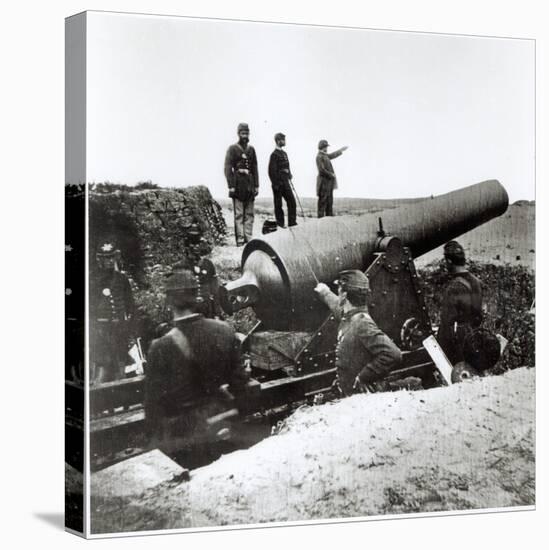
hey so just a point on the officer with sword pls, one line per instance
(281, 180)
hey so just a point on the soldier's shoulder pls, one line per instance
(363, 318)
(160, 343)
(364, 323)
(216, 325)
(461, 283)
(475, 278)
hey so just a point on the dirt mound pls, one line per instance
(155, 226)
(468, 446)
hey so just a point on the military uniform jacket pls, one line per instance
(189, 363)
(363, 350)
(241, 171)
(326, 175)
(279, 169)
(461, 312)
(111, 297)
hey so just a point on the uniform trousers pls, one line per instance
(284, 191)
(243, 220)
(325, 199)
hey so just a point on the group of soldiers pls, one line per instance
(198, 353)
(112, 310)
(242, 178)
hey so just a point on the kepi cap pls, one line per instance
(106, 249)
(353, 279)
(181, 281)
(243, 127)
(323, 143)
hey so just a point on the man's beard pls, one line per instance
(244, 140)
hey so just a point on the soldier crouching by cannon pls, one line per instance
(364, 353)
(187, 366)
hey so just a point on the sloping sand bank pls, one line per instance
(467, 446)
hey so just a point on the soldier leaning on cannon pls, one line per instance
(192, 360)
(364, 354)
(243, 181)
(461, 310)
(111, 311)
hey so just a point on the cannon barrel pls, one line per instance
(280, 270)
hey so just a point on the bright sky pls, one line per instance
(422, 113)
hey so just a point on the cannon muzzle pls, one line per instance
(280, 270)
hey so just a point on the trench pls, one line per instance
(245, 433)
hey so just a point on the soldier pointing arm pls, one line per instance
(364, 354)
(326, 180)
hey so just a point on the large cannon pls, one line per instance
(292, 347)
(291, 351)
(280, 269)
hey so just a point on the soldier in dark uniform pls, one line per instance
(364, 354)
(191, 361)
(461, 310)
(209, 289)
(326, 180)
(207, 302)
(243, 181)
(111, 311)
(281, 177)
(193, 239)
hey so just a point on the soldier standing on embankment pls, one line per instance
(281, 176)
(326, 180)
(243, 181)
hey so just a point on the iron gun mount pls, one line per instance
(292, 349)
(279, 270)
